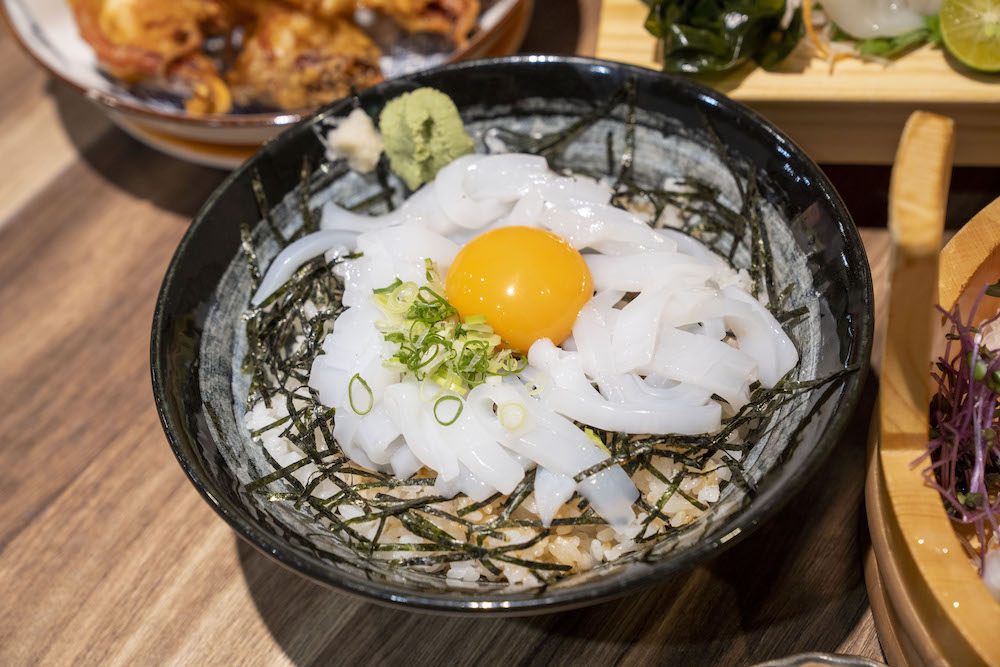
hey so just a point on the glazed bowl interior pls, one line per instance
(681, 130)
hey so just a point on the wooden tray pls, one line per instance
(853, 115)
(930, 606)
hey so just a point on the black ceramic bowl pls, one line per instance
(680, 127)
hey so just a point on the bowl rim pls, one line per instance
(279, 119)
(741, 522)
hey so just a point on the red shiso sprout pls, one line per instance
(964, 447)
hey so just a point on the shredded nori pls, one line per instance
(284, 335)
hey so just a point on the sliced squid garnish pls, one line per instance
(506, 177)
(635, 272)
(703, 362)
(761, 336)
(552, 490)
(480, 453)
(406, 408)
(404, 463)
(461, 208)
(298, 253)
(592, 334)
(375, 433)
(571, 394)
(557, 444)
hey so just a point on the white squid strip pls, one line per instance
(295, 255)
(557, 444)
(633, 336)
(421, 207)
(404, 463)
(551, 492)
(571, 394)
(602, 227)
(636, 272)
(611, 494)
(479, 453)
(344, 428)
(527, 212)
(506, 177)
(706, 363)
(592, 334)
(404, 404)
(375, 433)
(473, 487)
(461, 209)
(762, 337)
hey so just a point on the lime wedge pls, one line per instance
(971, 32)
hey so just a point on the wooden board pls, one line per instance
(108, 555)
(853, 114)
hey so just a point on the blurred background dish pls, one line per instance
(46, 29)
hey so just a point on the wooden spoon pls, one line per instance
(929, 604)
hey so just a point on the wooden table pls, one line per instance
(109, 556)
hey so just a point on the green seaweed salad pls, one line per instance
(712, 36)
(284, 335)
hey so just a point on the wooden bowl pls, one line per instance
(929, 604)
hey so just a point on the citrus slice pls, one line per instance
(971, 32)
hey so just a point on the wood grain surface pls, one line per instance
(850, 113)
(109, 556)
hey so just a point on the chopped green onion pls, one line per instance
(458, 410)
(350, 394)
(389, 288)
(596, 440)
(510, 421)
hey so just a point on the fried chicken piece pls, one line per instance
(455, 18)
(325, 8)
(199, 79)
(158, 40)
(137, 39)
(293, 60)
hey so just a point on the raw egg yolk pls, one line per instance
(529, 283)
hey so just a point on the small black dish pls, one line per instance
(196, 327)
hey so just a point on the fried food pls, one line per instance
(454, 18)
(136, 39)
(325, 8)
(292, 54)
(159, 40)
(293, 60)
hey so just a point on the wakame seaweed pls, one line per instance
(720, 35)
(285, 332)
